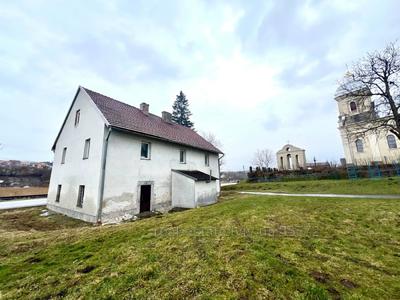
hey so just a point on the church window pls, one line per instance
(391, 140)
(353, 106)
(359, 145)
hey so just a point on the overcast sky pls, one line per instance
(257, 73)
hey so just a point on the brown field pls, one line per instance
(20, 191)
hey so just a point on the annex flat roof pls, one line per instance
(196, 175)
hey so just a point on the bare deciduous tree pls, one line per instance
(263, 158)
(211, 138)
(375, 82)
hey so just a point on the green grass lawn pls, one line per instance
(382, 186)
(243, 247)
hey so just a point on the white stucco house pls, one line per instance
(113, 161)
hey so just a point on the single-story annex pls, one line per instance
(113, 161)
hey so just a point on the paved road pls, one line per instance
(22, 203)
(228, 183)
(326, 195)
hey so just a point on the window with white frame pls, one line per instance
(359, 145)
(81, 195)
(145, 151)
(182, 156)
(77, 117)
(64, 154)
(86, 149)
(207, 159)
(391, 140)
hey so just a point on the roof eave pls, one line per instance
(163, 139)
(65, 119)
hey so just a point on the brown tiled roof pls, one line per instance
(124, 116)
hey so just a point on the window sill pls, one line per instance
(145, 158)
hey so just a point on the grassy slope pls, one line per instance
(360, 186)
(247, 246)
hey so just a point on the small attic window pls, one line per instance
(77, 117)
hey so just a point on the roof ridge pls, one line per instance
(116, 100)
(116, 123)
(127, 104)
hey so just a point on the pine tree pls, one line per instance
(180, 111)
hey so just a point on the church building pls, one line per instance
(360, 147)
(291, 158)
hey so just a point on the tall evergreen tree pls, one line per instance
(180, 111)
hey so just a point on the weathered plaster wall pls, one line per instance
(125, 170)
(183, 191)
(206, 192)
(376, 148)
(76, 170)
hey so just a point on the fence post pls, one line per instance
(352, 172)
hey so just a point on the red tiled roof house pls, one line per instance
(113, 161)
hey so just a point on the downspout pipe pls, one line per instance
(219, 171)
(103, 176)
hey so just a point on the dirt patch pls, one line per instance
(87, 269)
(319, 276)
(27, 219)
(334, 293)
(177, 209)
(61, 293)
(349, 284)
(33, 260)
(20, 191)
(369, 265)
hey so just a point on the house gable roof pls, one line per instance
(129, 118)
(69, 111)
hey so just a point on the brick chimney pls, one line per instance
(144, 107)
(166, 116)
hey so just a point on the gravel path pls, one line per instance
(22, 203)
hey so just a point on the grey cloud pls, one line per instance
(119, 60)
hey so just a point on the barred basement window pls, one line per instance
(58, 193)
(81, 194)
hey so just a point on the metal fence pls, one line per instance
(373, 170)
